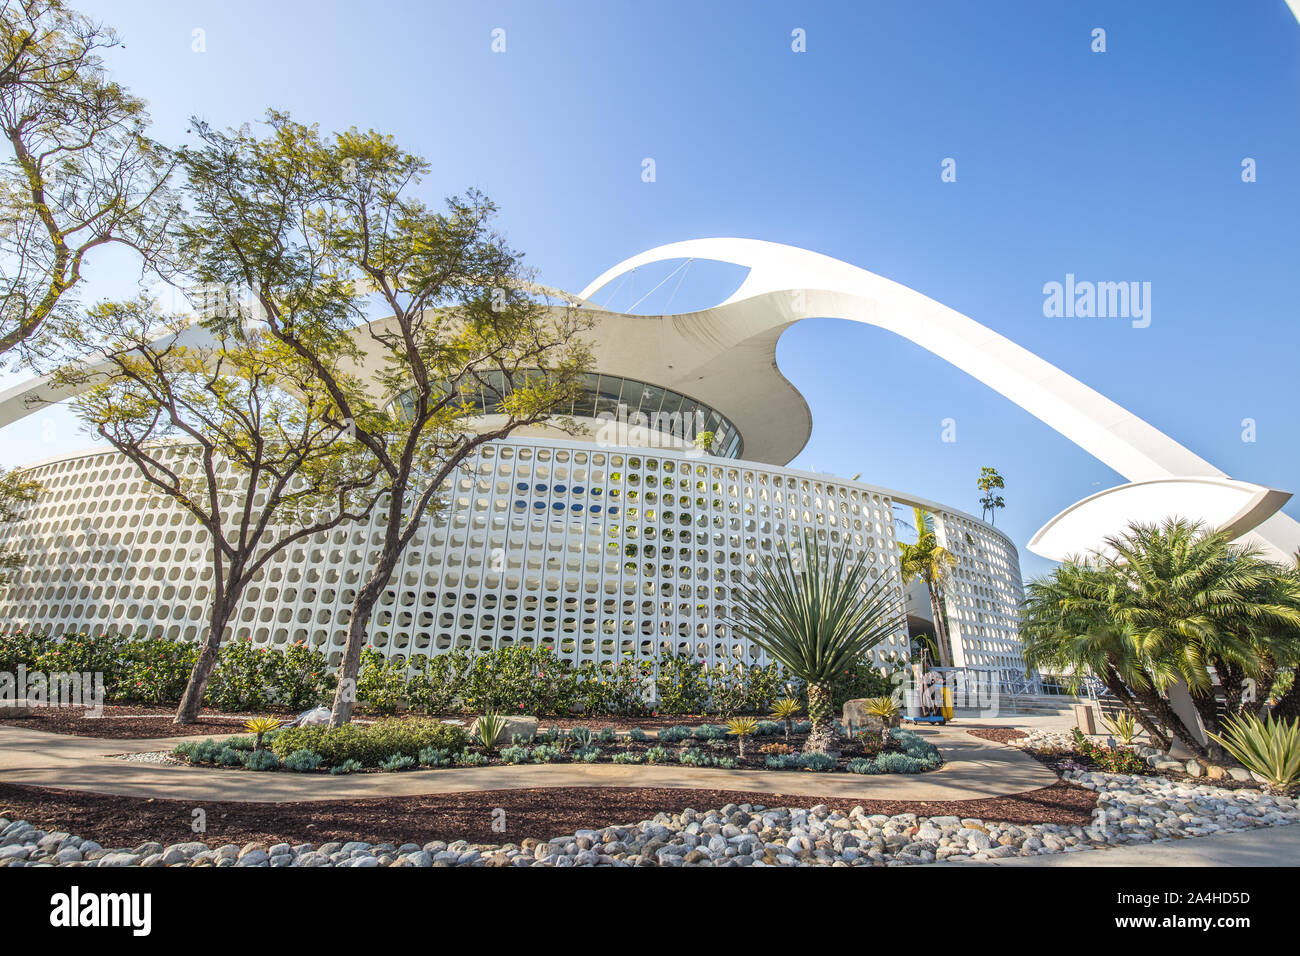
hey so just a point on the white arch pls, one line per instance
(786, 284)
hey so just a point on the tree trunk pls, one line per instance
(1160, 708)
(821, 711)
(1288, 705)
(940, 628)
(192, 699)
(345, 697)
(1115, 684)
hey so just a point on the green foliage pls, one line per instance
(658, 754)
(302, 761)
(862, 765)
(819, 762)
(628, 756)
(515, 754)
(347, 766)
(709, 732)
(1268, 747)
(1122, 726)
(673, 734)
(488, 728)
(588, 753)
(469, 758)
(894, 762)
(371, 745)
(782, 761)
(546, 753)
(681, 686)
(397, 762)
(261, 760)
(435, 757)
(638, 735)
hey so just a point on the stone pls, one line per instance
(1195, 768)
(525, 728)
(855, 717)
(1240, 774)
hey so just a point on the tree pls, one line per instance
(80, 173)
(16, 490)
(819, 613)
(318, 230)
(931, 562)
(988, 481)
(232, 427)
(1198, 604)
(1162, 604)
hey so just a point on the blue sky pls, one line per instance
(1122, 165)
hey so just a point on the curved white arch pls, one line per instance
(786, 284)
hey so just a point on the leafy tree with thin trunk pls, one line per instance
(233, 428)
(80, 171)
(322, 230)
(988, 482)
(930, 561)
(819, 612)
(16, 490)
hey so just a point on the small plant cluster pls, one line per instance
(917, 756)
(1108, 759)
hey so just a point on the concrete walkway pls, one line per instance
(1268, 846)
(974, 769)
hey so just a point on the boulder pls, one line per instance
(1195, 768)
(525, 728)
(316, 717)
(855, 716)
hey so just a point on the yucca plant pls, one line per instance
(1267, 747)
(886, 708)
(488, 729)
(740, 728)
(1122, 727)
(786, 709)
(261, 726)
(819, 615)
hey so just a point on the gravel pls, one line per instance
(1130, 810)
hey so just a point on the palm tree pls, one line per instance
(1067, 629)
(818, 614)
(1195, 601)
(931, 562)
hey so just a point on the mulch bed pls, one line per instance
(125, 722)
(116, 821)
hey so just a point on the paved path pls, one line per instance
(1269, 846)
(974, 769)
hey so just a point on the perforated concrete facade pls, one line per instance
(599, 552)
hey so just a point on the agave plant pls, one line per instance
(488, 728)
(261, 726)
(786, 709)
(1267, 747)
(818, 614)
(1122, 727)
(740, 728)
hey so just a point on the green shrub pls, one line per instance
(301, 677)
(587, 753)
(436, 682)
(397, 762)
(302, 761)
(691, 757)
(347, 766)
(681, 686)
(781, 761)
(435, 757)
(546, 753)
(612, 687)
(373, 744)
(381, 682)
(152, 670)
(520, 680)
(470, 758)
(638, 735)
(628, 756)
(657, 754)
(861, 765)
(819, 762)
(672, 735)
(894, 762)
(709, 732)
(259, 759)
(243, 678)
(230, 757)
(515, 754)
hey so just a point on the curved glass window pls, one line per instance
(664, 409)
